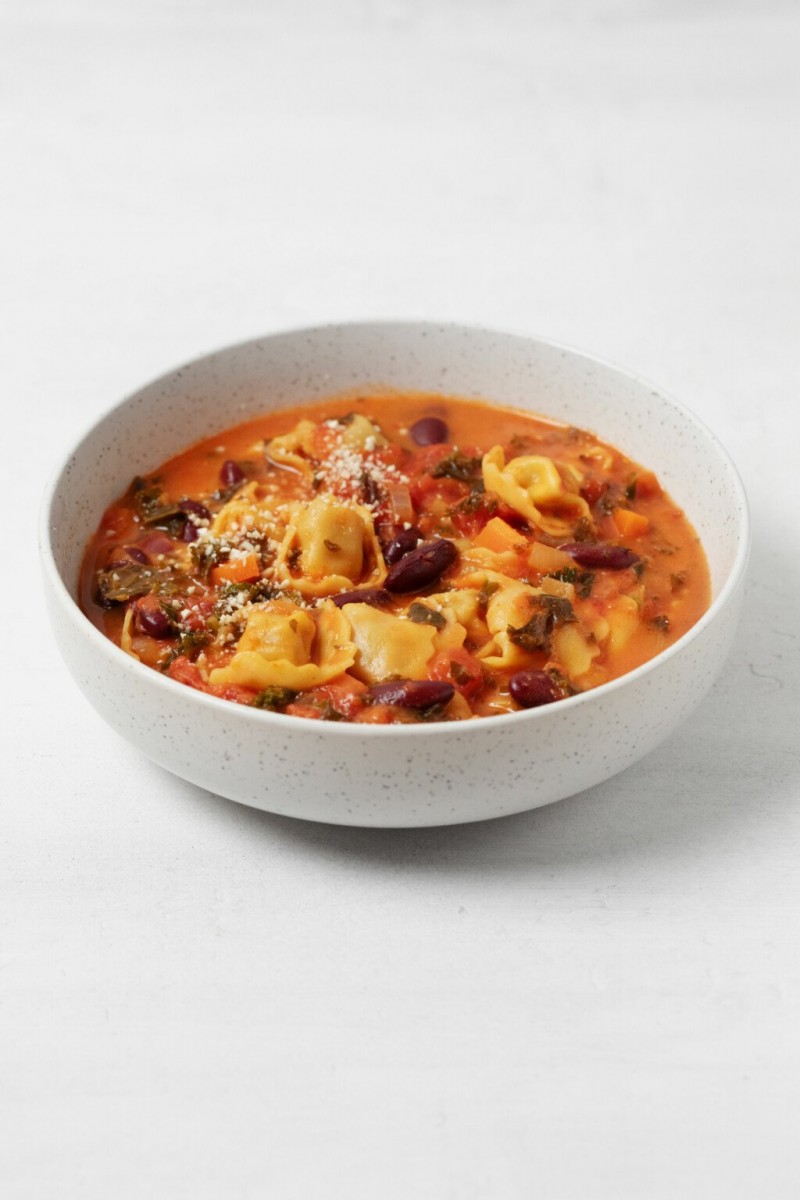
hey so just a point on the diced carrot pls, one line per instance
(238, 570)
(630, 524)
(497, 535)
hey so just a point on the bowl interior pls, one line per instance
(232, 385)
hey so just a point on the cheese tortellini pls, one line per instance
(284, 646)
(535, 487)
(388, 647)
(249, 511)
(328, 547)
(294, 449)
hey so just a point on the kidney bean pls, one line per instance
(599, 556)
(190, 532)
(401, 544)
(429, 431)
(231, 474)
(194, 508)
(421, 567)
(374, 596)
(156, 543)
(412, 693)
(122, 555)
(530, 689)
(153, 621)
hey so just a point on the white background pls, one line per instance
(599, 999)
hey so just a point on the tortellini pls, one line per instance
(359, 433)
(294, 449)
(246, 512)
(388, 647)
(283, 645)
(623, 622)
(126, 635)
(462, 611)
(574, 651)
(330, 539)
(328, 547)
(509, 604)
(533, 486)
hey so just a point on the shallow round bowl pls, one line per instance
(402, 775)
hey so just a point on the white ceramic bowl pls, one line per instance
(402, 775)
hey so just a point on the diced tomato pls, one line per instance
(592, 490)
(231, 691)
(423, 460)
(392, 455)
(425, 489)
(376, 714)
(469, 519)
(344, 693)
(647, 484)
(184, 671)
(197, 609)
(460, 668)
(300, 709)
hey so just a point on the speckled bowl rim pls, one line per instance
(346, 729)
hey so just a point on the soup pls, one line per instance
(395, 558)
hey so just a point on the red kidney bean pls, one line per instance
(231, 474)
(153, 621)
(194, 508)
(530, 689)
(400, 545)
(429, 431)
(190, 532)
(121, 556)
(412, 693)
(421, 567)
(156, 543)
(374, 596)
(599, 556)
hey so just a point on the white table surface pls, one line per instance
(598, 999)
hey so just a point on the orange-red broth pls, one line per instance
(660, 597)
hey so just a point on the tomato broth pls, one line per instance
(395, 558)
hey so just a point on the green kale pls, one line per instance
(422, 615)
(458, 466)
(275, 698)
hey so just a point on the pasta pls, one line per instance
(395, 558)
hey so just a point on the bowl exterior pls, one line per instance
(392, 776)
